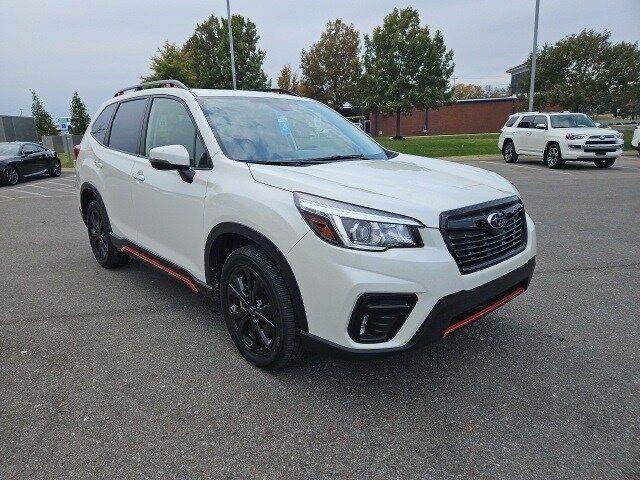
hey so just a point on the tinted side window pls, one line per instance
(511, 121)
(125, 130)
(526, 122)
(171, 124)
(540, 119)
(100, 126)
(29, 148)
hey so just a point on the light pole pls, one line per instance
(233, 58)
(534, 54)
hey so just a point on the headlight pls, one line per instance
(620, 135)
(575, 136)
(357, 227)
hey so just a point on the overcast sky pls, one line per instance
(96, 47)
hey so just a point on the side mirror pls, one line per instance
(598, 124)
(172, 157)
(541, 126)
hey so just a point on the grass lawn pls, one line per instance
(438, 146)
(65, 160)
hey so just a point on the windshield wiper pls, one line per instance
(335, 158)
(310, 161)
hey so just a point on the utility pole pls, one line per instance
(233, 58)
(534, 54)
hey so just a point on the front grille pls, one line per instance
(474, 243)
(601, 140)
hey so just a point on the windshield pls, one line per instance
(283, 130)
(9, 149)
(571, 120)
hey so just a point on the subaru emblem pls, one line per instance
(496, 220)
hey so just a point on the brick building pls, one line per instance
(464, 116)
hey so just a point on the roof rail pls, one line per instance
(281, 91)
(156, 83)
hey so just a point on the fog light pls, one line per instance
(377, 317)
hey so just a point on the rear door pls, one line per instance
(170, 211)
(524, 134)
(538, 136)
(115, 162)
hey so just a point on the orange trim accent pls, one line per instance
(486, 310)
(151, 261)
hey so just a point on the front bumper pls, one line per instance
(581, 151)
(332, 279)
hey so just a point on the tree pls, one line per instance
(44, 122)
(173, 62)
(208, 54)
(495, 92)
(463, 91)
(288, 80)
(406, 67)
(586, 72)
(79, 117)
(331, 67)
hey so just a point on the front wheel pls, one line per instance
(604, 162)
(55, 169)
(11, 175)
(509, 152)
(258, 309)
(553, 157)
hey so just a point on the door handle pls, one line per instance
(138, 176)
(98, 163)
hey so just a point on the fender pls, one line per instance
(88, 186)
(273, 251)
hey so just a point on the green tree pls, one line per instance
(586, 72)
(44, 122)
(405, 66)
(331, 68)
(208, 53)
(288, 80)
(173, 62)
(79, 117)
(464, 91)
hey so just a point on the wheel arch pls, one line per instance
(227, 237)
(88, 193)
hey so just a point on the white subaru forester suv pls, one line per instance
(305, 230)
(558, 137)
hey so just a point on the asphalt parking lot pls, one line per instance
(126, 374)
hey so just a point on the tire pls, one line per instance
(604, 162)
(258, 309)
(11, 175)
(99, 228)
(509, 152)
(553, 157)
(56, 169)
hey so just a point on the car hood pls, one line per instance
(4, 159)
(590, 131)
(417, 187)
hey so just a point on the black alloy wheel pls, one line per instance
(258, 309)
(11, 175)
(99, 230)
(56, 168)
(252, 309)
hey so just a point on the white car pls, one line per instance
(307, 232)
(635, 140)
(559, 137)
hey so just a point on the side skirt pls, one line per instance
(159, 263)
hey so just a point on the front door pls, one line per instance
(31, 161)
(171, 211)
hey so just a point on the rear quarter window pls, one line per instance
(100, 126)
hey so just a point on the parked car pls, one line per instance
(306, 231)
(559, 137)
(25, 159)
(635, 140)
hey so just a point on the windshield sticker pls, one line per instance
(283, 123)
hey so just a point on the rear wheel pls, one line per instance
(55, 169)
(509, 152)
(553, 157)
(99, 230)
(258, 309)
(604, 162)
(11, 175)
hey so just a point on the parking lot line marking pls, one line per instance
(56, 183)
(30, 193)
(4, 196)
(537, 169)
